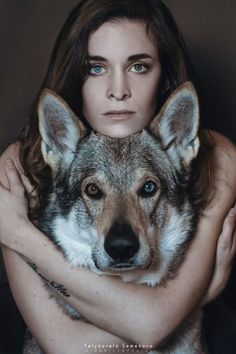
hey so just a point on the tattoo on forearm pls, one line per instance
(59, 287)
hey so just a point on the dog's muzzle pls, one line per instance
(121, 244)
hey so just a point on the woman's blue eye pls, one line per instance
(139, 68)
(96, 69)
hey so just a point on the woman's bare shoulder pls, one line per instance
(11, 152)
(223, 143)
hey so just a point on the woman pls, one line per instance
(110, 53)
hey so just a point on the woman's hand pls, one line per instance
(13, 206)
(225, 254)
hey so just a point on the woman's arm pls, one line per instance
(134, 312)
(126, 302)
(54, 330)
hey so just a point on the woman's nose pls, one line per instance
(118, 87)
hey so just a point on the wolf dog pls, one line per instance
(121, 205)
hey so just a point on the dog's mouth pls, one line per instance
(115, 266)
(122, 266)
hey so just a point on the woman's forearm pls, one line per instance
(55, 331)
(134, 312)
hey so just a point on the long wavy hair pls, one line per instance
(68, 69)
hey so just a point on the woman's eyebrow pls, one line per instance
(130, 58)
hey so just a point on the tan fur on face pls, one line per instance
(124, 207)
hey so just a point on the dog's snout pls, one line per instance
(121, 242)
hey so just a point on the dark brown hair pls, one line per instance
(68, 69)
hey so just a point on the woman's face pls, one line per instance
(120, 92)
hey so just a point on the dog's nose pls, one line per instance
(121, 242)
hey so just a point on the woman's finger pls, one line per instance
(233, 216)
(27, 185)
(15, 185)
(233, 249)
(2, 188)
(226, 238)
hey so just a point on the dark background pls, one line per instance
(28, 30)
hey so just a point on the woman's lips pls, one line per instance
(119, 115)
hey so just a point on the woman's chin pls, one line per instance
(118, 133)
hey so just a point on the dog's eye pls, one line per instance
(148, 189)
(93, 191)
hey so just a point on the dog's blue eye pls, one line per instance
(149, 189)
(93, 191)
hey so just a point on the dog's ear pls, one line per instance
(177, 125)
(60, 130)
